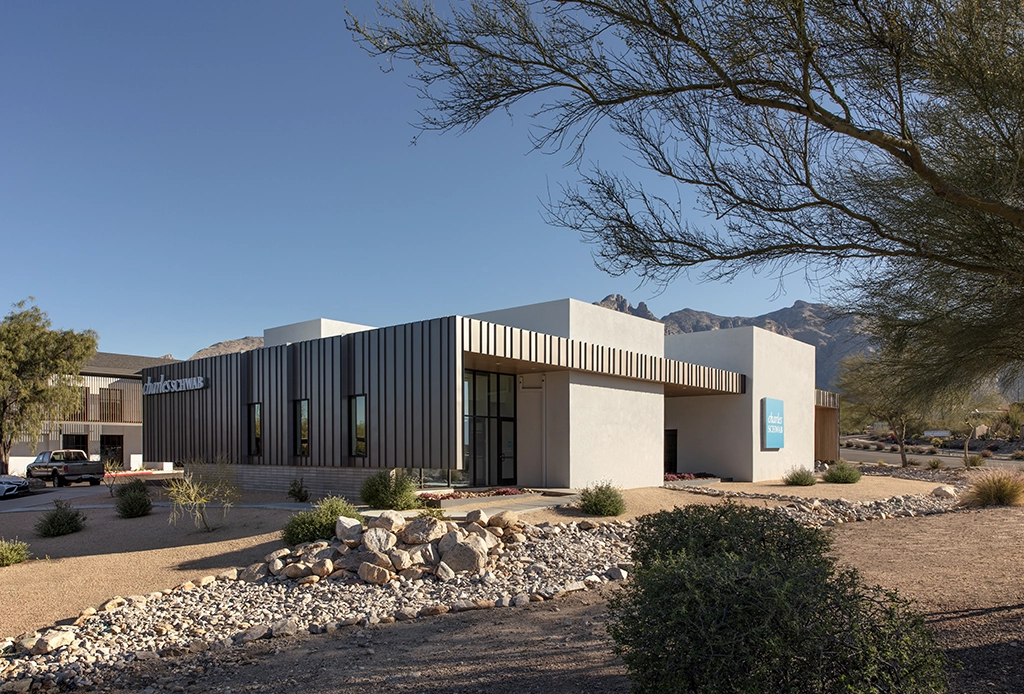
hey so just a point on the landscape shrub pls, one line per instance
(894, 448)
(390, 490)
(62, 519)
(734, 599)
(318, 522)
(136, 486)
(298, 491)
(995, 487)
(841, 473)
(879, 446)
(602, 499)
(134, 504)
(986, 453)
(932, 450)
(13, 552)
(975, 461)
(934, 464)
(1017, 455)
(936, 442)
(200, 485)
(800, 477)
(431, 512)
(704, 531)
(913, 462)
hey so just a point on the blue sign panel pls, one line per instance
(773, 423)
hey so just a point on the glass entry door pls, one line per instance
(489, 428)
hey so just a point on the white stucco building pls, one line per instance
(558, 394)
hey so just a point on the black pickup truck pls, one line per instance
(65, 467)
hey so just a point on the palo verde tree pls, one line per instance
(38, 374)
(881, 138)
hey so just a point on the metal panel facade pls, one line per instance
(410, 374)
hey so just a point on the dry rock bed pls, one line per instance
(503, 604)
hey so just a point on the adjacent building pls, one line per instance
(109, 424)
(558, 394)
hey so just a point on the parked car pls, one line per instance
(65, 467)
(12, 485)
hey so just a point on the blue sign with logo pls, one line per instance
(773, 423)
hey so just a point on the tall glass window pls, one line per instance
(255, 428)
(357, 424)
(489, 427)
(301, 427)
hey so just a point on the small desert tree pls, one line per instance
(38, 374)
(870, 389)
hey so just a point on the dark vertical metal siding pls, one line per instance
(198, 424)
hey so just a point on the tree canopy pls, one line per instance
(39, 370)
(880, 138)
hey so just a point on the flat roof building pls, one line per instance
(557, 394)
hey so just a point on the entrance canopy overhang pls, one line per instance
(501, 348)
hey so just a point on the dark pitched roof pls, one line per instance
(110, 364)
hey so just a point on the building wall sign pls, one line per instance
(177, 385)
(773, 423)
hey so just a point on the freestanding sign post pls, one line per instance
(773, 423)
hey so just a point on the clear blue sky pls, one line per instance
(175, 174)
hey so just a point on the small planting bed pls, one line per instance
(454, 498)
(690, 479)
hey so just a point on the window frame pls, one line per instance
(255, 420)
(353, 421)
(300, 445)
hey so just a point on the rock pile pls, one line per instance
(820, 513)
(389, 571)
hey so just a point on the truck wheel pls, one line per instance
(93, 483)
(58, 481)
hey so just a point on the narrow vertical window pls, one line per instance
(301, 427)
(255, 428)
(357, 414)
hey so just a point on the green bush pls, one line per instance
(13, 552)
(934, 464)
(841, 473)
(318, 522)
(390, 490)
(134, 504)
(996, 487)
(136, 486)
(298, 491)
(936, 442)
(800, 477)
(975, 461)
(733, 599)
(1017, 455)
(602, 499)
(986, 453)
(62, 519)
(913, 462)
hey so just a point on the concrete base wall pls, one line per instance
(320, 481)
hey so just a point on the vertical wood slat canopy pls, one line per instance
(411, 376)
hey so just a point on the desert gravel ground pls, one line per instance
(963, 568)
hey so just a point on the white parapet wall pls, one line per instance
(309, 330)
(722, 434)
(578, 320)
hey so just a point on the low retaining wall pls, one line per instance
(320, 481)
